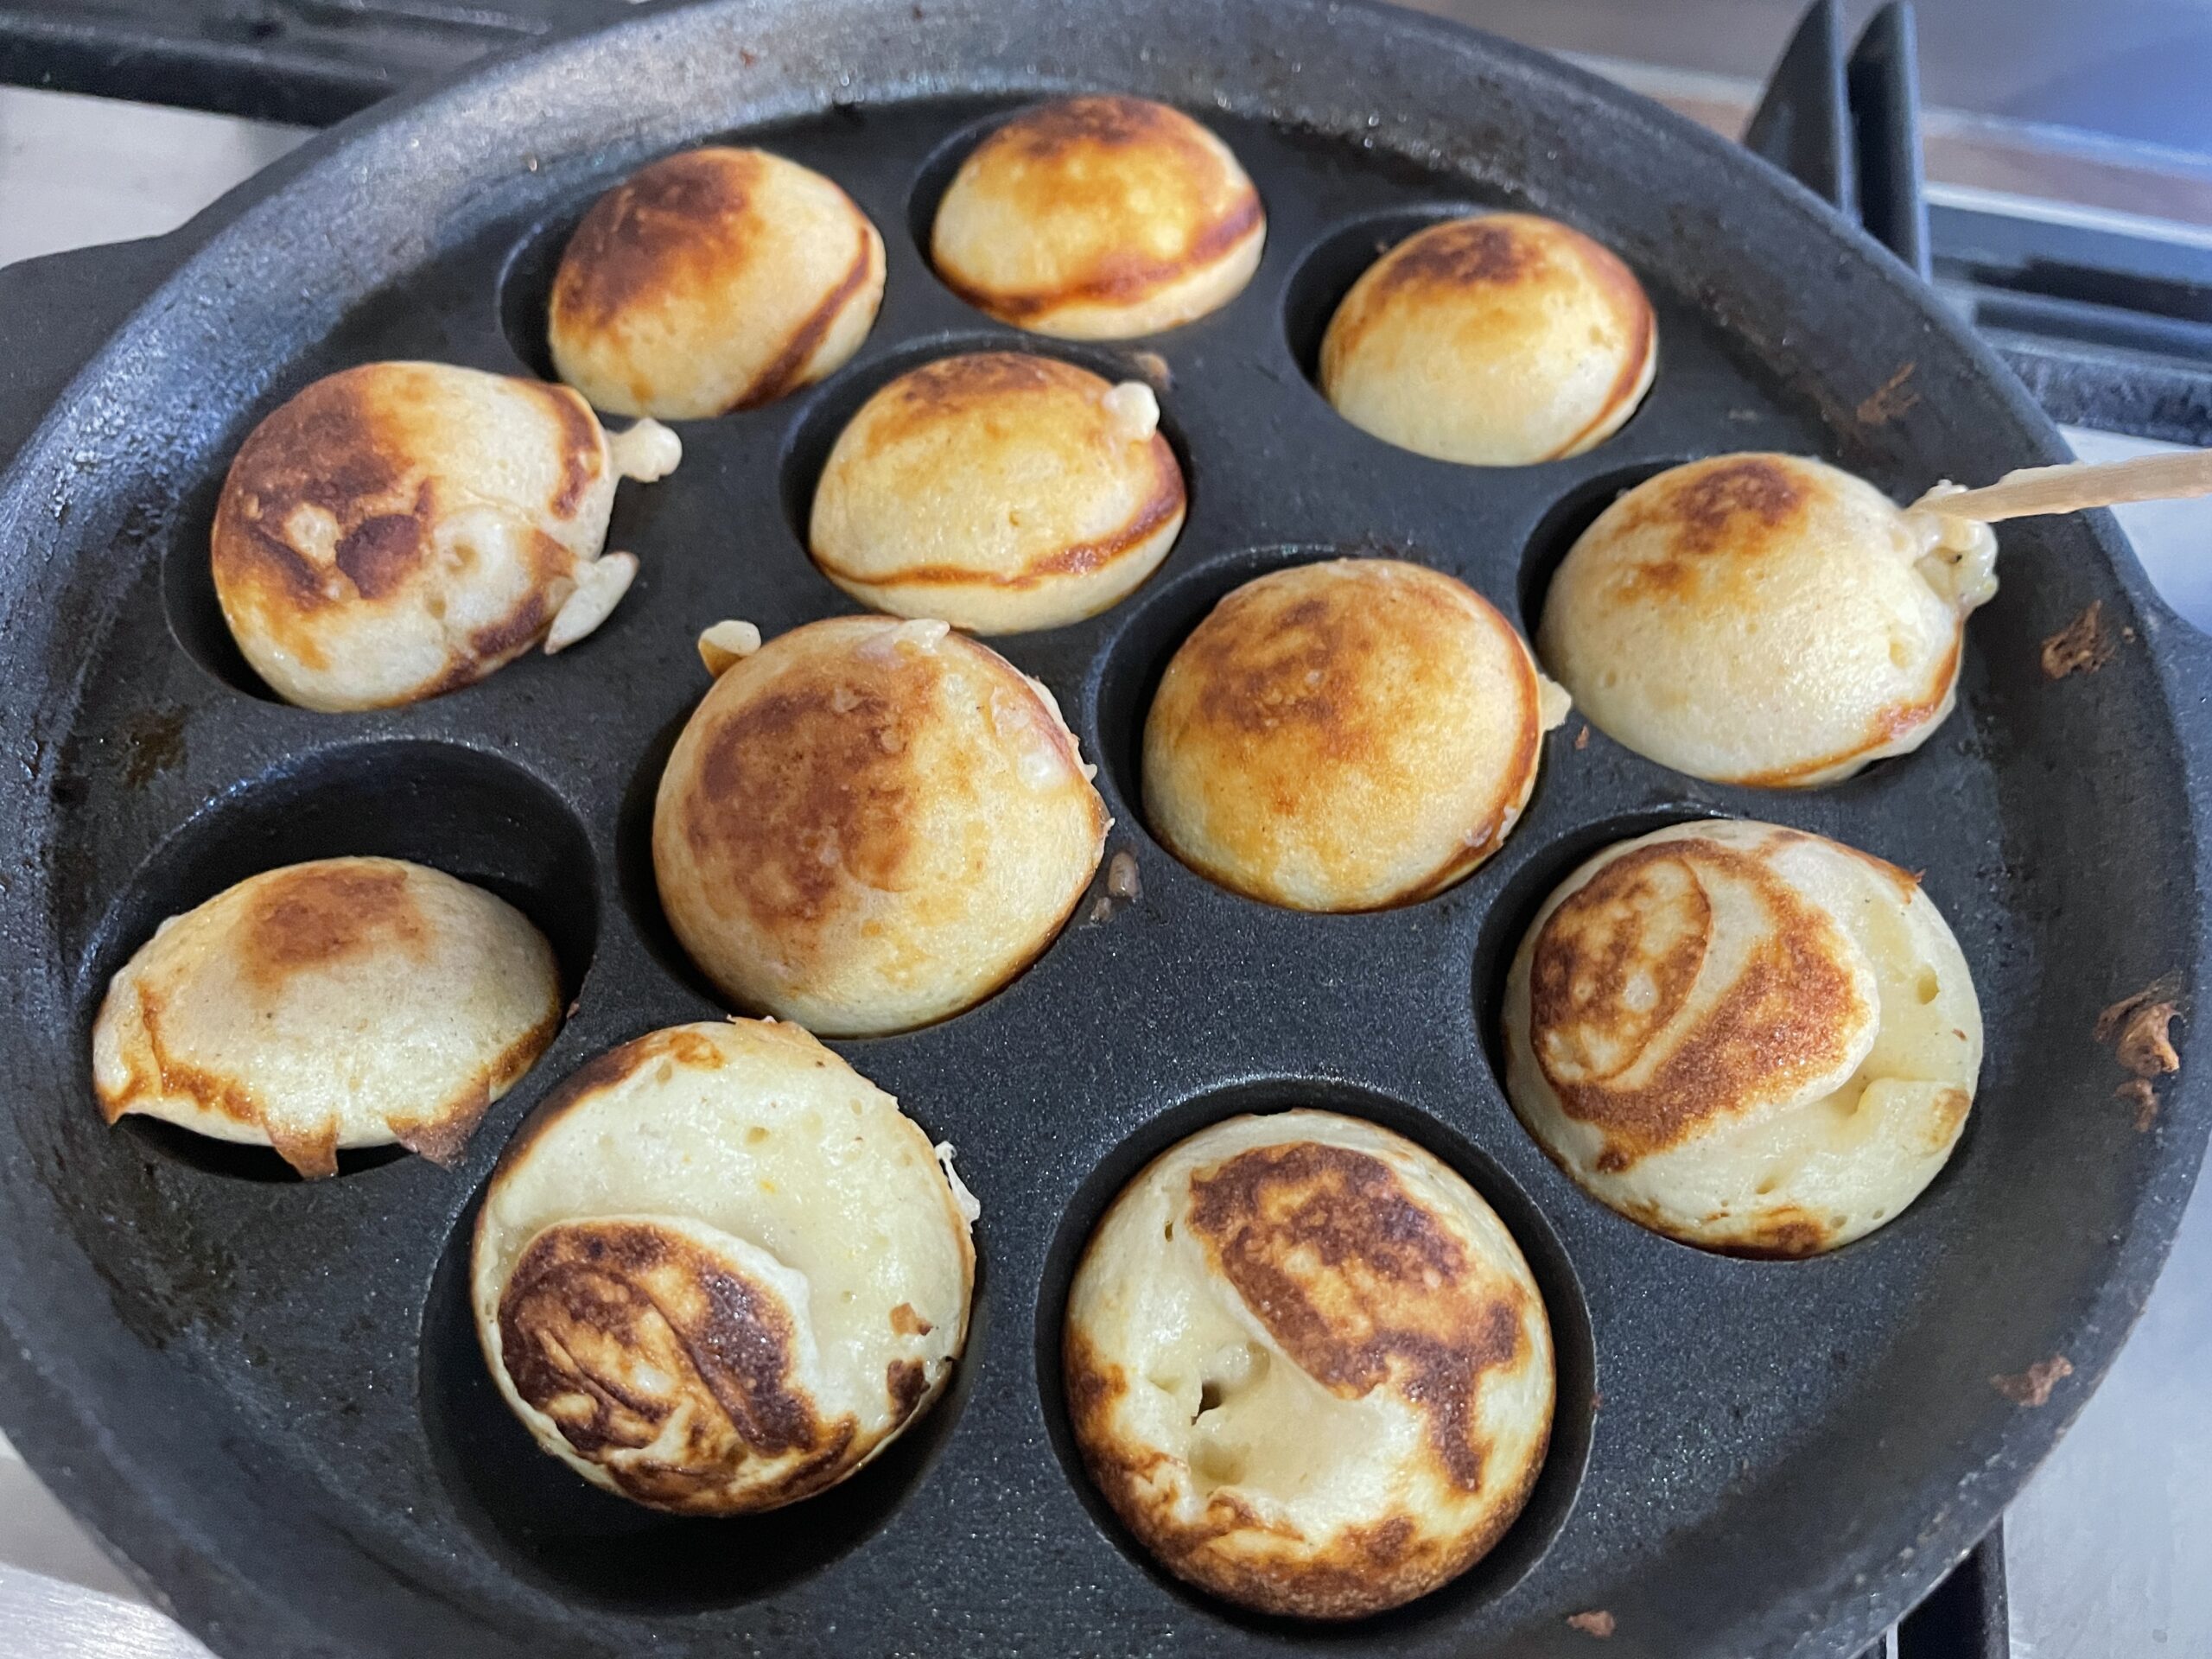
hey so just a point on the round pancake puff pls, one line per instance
(1765, 620)
(1307, 1366)
(1497, 340)
(719, 1271)
(397, 530)
(1747, 1037)
(715, 280)
(1345, 736)
(344, 1003)
(1098, 218)
(868, 825)
(1000, 492)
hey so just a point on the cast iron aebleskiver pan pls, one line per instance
(266, 1395)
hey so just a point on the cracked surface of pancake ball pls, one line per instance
(714, 280)
(1744, 1037)
(870, 824)
(1345, 736)
(1000, 490)
(347, 1002)
(1308, 1366)
(1098, 218)
(1765, 620)
(1495, 341)
(719, 1271)
(401, 530)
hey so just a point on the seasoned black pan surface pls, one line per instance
(267, 1396)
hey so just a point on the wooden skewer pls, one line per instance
(2077, 485)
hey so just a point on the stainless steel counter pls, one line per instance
(2109, 1551)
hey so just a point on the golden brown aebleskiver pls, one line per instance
(714, 280)
(1099, 218)
(400, 530)
(1497, 340)
(1000, 490)
(346, 1002)
(870, 824)
(1765, 620)
(1308, 1366)
(1745, 1036)
(719, 1271)
(1345, 736)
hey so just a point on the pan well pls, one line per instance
(470, 815)
(1552, 1499)
(571, 1540)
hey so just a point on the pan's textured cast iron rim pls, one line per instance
(266, 1397)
